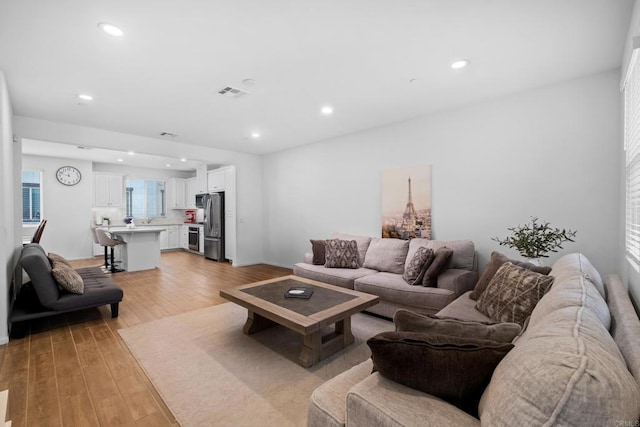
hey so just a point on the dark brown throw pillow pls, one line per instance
(456, 369)
(439, 264)
(418, 265)
(408, 321)
(513, 293)
(497, 259)
(341, 254)
(318, 249)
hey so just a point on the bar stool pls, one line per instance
(105, 240)
(104, 266)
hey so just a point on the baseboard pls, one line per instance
(290, 267)
(4, 340)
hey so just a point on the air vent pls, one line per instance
(168, 134)
(232, 92)
(83, 147)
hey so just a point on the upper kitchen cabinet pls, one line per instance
(192, 190)
(108, 189)
(201, 180)
(216, 180)
(177, 194)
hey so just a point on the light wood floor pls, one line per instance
(75, 370)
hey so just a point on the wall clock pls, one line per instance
(68, 175)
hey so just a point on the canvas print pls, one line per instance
(406, 202)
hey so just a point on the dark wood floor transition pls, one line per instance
(75, 370)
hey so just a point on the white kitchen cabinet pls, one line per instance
(201, 240)
(164, 240)
(201, 179)
(215, 180)
(173, 237)
(191, 191)
(108, 189)
(184, 236)
(230, 212)
(176, 194)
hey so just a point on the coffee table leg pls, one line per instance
(256, 322)
(310, 353)
(343, 328)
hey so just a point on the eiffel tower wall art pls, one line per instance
(406, 202)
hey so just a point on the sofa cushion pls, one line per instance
(318, 250)
(463, 308)
(564, 370)
(456, 369)
(437, 266)
(463, 251)
(67, 278)
(341, 254)
(577, 264)
(38, 268)
(361, 241)
(386, 255)
(408, 321)
(392, 287)
(343, 277)
(497, 259)
(513, 293)
(99, 289)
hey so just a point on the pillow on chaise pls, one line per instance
(68, 279)
(408, 321)
(341, 254)
(57, 258)
(497, 259)
(439, 264)
(513, 293)
(318, 249)
(456, 369)
(415, 270)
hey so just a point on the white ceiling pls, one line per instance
(356, 55)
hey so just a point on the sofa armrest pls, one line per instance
(457, 281)
(378, 401)
(308, 258)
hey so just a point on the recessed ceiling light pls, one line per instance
(168, 165)
(131, 153)
(111, 29)
(255, 135)
(461, 63)
(120, 160)
(249, 82)
(326, 110)
(183, 159)
(84, 97)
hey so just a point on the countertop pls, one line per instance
(136, 229)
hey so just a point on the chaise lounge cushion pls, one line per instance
(38, 268)
(97, 291)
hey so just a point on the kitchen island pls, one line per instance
(142, 251)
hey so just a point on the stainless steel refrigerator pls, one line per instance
(214, 226)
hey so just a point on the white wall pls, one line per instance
(248, 170)
(10, 243)
(67, 209)
(551, 153)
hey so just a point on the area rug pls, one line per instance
(210, 373)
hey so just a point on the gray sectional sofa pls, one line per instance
(382, 262)
(577, 363)
(46, 299)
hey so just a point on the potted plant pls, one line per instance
(535, 239)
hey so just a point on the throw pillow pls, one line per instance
(513, 293)
(439, 264)
(456, 369)
(386, 255)
(408, 321)
(57, 258)
(341, 254)
(318, 249)
(497, 259)
(414, 271)
(68, 279)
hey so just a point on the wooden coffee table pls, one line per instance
(328, 305)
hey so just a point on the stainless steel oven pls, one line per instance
(194, 238)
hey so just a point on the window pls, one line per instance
(145, 198)
(631, 90)
(31, 197)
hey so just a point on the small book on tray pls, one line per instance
(303, 292)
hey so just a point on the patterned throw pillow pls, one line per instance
(341, 254)
(68, 279)
(414, 272)
(513, 293)
(57, 258)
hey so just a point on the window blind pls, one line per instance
(631, 90)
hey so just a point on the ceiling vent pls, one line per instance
(168, 134)
(232, 92)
